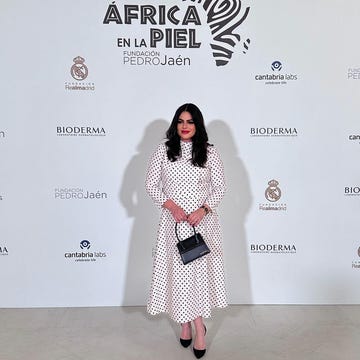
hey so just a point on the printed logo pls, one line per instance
(3, 251)
(276, 66)
(78, 194)
(354, 74)
(273, 132)
(223, 19)
(85, 256)
(85, 244)
(79, 72)
(273, 249)
(2, 134)
(80, 131)
(273, 195)
(273, 192)
(356, 263)
(352, 190)
(277, 77)
(354, 138)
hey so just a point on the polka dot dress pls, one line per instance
(188, 291)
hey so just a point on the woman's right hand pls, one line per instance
(176, 211)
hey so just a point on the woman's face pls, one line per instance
(186, 128)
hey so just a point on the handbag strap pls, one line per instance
(176, 232)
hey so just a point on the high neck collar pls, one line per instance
(186, 149)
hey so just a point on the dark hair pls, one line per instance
(199, 140)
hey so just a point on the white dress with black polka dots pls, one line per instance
(188, 291)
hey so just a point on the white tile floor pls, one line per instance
(238, 332)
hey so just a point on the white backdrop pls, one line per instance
(80, 116)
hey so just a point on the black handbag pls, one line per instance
(191, 248)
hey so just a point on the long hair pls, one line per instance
(199, 140)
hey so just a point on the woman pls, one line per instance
(186, 179)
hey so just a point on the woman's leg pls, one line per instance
(186, 331)
(199, 342)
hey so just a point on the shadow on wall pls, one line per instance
(233, 211)
(140, 207)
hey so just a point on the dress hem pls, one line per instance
(205, 316)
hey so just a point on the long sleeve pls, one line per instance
(217, 178)
(153, 182)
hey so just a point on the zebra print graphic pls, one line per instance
(223, 17)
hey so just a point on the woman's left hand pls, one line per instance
(195, 217)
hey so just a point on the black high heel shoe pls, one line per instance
(200, 353)
(185, 343)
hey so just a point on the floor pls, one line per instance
(239, 332)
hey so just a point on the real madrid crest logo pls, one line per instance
(273, 193)
(79, 70)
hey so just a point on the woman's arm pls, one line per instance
(217, 188)
(217, 179)
(153, 176)
(153, 185)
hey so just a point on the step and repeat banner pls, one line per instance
(88, 89)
